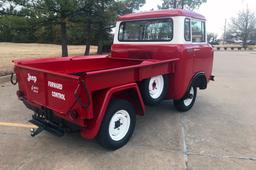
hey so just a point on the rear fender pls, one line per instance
(199, 80)
(101, 101)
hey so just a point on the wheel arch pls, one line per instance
(199, 80)
(129, 92)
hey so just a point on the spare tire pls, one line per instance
(154, 89)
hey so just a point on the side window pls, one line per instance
(198, 31)
(187, 30)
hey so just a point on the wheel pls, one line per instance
(118, 125)
(187, 102)
(153, 90)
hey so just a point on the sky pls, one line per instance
(216, 11)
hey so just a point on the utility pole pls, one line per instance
(182, 4)
(225, 31)
(175, 4)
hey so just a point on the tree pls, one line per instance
(89, 23)
(62, 21)
(2, 8)
(243, 25)
(183, 4)
(52, 12)
(212, 39)
(99, 17)
(102, 17)
(15, 29)
(14, 26)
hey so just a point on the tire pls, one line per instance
(118, 125)
(154, 89)
(187, 102)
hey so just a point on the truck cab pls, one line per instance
(167, 34)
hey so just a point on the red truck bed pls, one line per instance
(54, 83)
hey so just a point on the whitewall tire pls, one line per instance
(154, 89)
(187, 102)
(118, 125)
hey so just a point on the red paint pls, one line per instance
(101, 73)
(91, 132)
(159, 14)
(113, 76)
(190, 61)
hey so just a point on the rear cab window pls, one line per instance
(198, 31)
(146, 30)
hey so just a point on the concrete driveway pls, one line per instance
(218, 133)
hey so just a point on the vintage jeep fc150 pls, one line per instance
(155, 56)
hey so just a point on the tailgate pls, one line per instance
(51, 90)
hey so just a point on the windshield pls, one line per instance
(146, 30)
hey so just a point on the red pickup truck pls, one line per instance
(157, 55)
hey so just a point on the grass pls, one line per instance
(12, 51)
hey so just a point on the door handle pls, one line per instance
(190, 50)
(196, 49)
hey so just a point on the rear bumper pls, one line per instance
(49, 120)
(47, 125)
(32, 106)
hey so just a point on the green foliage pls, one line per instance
(183, 4)
(61, 21)
(16, 29)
